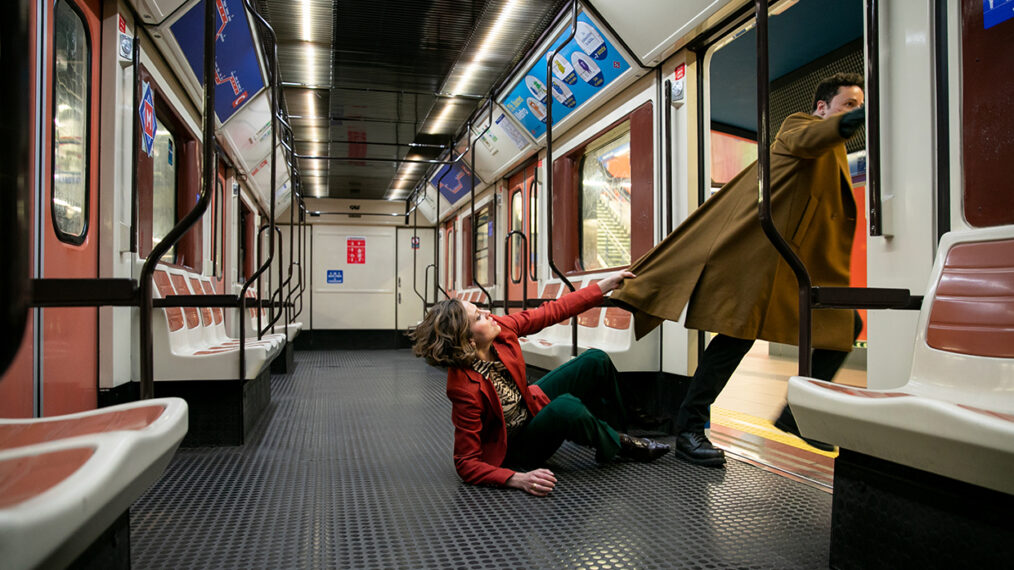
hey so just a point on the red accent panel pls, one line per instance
(642, 185)
(180, 284)
(18, 435)
(590, 318)
(189, 250)
(198, 287)
(617, 318)
(27, 477)
(859, 392)
(565, 224)
(173, 314)
(1007, 417)
(987, 123)
(973, 310)
(209, 289)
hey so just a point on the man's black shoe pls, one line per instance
(787, 423)
(695, 447)
(641, 449)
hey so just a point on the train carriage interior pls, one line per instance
(225, 224)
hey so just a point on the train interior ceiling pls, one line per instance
(206, 314)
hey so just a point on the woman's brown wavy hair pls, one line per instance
(444, 336)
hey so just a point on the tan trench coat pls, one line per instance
(720, 262)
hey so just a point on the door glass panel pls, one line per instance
(517, 245)
(482, 247)
(70, 123)
(533, 228)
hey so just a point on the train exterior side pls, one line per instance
(511, 219)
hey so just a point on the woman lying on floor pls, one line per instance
(499, 419)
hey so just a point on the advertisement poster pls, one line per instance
(355, 250)
(237, 71)
(587, 64)
(455, 183)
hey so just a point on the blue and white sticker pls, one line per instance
(536, 87)
(538, 109)
(563, 70)
(148, 124)
(587, 69)
(335, 276)
(563, 94)
(591, 41)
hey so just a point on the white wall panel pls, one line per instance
(366, 297)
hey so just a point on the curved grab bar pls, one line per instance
(145, 338)
(549, 170)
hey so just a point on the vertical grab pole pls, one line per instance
(764, 189)
(147, 365)
(549, 166)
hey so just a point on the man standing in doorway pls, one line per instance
(720, 264)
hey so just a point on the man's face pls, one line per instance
(483, 328)
(848, 98)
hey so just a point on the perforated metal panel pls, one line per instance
(794, 93)
(351, 468)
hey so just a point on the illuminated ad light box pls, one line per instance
(238, 72)
(585, 66)
(456, 183)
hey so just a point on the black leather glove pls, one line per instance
(851, 121)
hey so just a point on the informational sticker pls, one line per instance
(582, 68)
(147, 112)
(335, 276)
(237, 70)
(455, 183)
(124, 43)
(679, 82)
(415, 242)
(355, 250)
(512, 131)
(996, 11)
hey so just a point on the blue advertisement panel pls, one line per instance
(238, 73)
(583, 67)
(456, 183)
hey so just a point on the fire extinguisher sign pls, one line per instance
(356, 249)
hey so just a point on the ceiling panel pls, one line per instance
(381, 72)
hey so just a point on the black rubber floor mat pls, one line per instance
(351, 468)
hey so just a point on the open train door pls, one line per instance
(70, 181)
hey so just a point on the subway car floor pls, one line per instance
(351, 468)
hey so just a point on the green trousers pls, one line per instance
(585, 399)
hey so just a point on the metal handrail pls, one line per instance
(145, 338)
(549, 168)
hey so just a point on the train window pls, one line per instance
(533, 208)
(605, 200)
(483, 230)
(164, 186)
(517, 223)
(71, 80)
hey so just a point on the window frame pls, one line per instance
(86, 211)
(566, 176)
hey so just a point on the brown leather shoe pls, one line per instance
(641, 448)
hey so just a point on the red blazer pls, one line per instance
(480, 432)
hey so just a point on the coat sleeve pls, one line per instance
(466, 414)
(805, 137)
(534, 320)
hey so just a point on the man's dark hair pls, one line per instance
(828, 87)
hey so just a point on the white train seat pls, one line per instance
(955, 414)
(65, 479)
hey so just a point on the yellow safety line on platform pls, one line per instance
(761, 428)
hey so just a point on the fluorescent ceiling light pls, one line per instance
(491, 36)
(307, 22)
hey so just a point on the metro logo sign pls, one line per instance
(148, 124)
